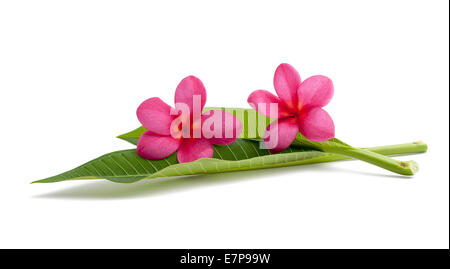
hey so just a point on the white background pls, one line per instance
(72, 74)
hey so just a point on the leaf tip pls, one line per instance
(39, 181)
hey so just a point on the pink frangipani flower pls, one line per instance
(299, 108)
(184, 128)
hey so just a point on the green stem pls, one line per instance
(376, 156)
(401, 149)
(390, 150)
(408, 168)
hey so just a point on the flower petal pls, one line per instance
(315, 91)
(156, 147)
(286, 82)
(188, 90)
(261, 101)
(226, 128)
(280, 134)
(192, 149)
(154, 114)
(316, 124)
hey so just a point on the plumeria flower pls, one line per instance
(184, 128)
(299, 108)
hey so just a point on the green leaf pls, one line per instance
(134, 135)
(126, 166)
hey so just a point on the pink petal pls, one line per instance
(286, 82)
(220, 127)
(190, 89)
(261, 100)
(155, 147)
(280, 134)
(154, 114)
(192, 149)
(316, 124)
(315, 91)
